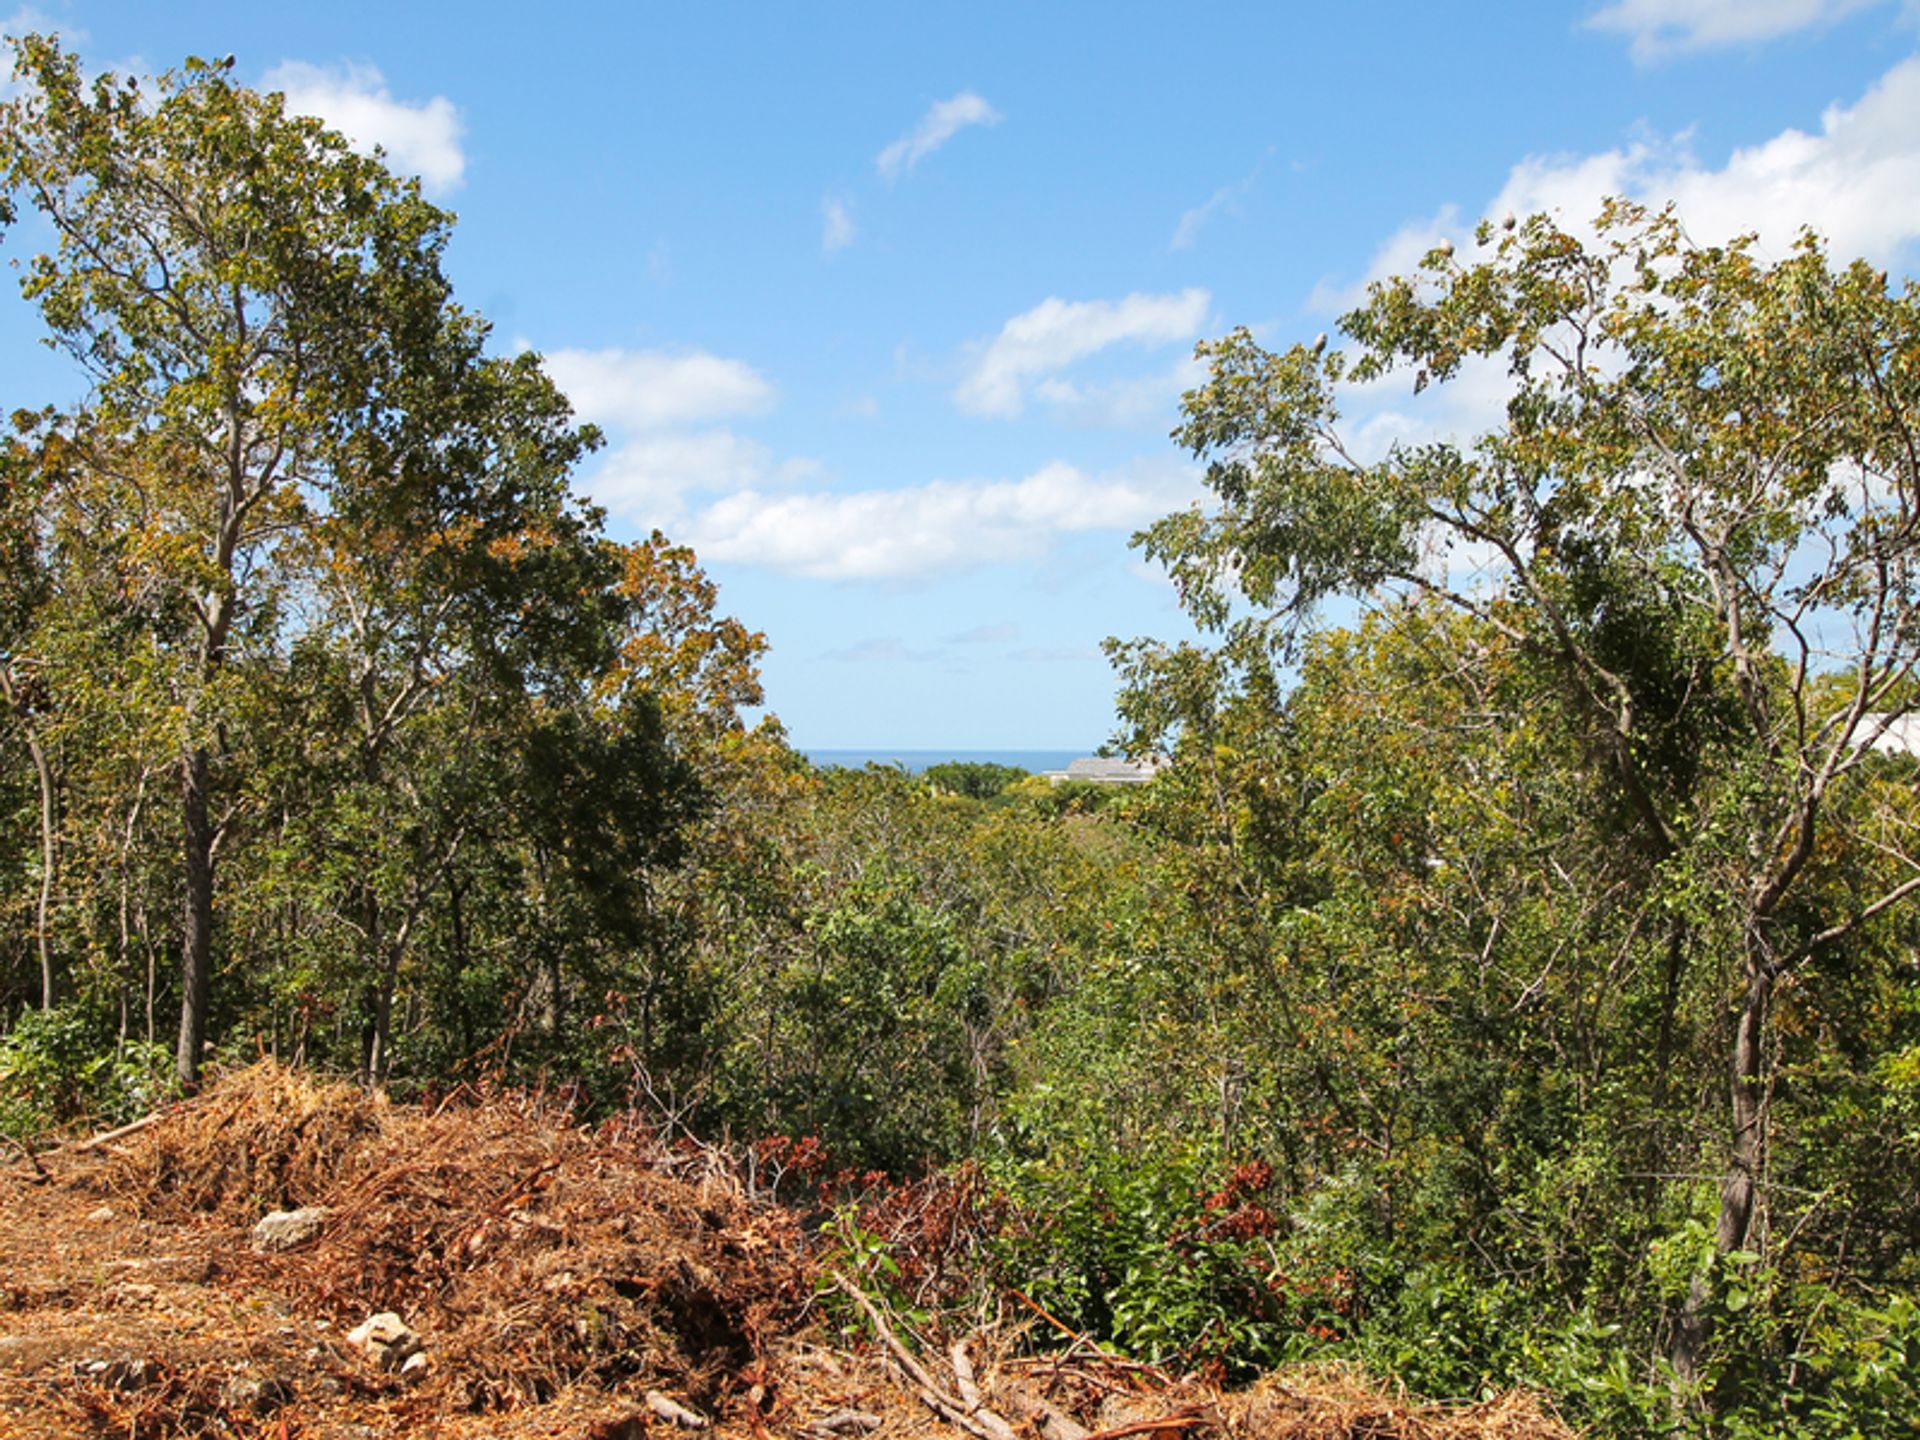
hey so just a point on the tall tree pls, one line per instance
(1698, 517)
(22, 592)
(255, 307)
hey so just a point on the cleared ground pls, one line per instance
(560, 1281)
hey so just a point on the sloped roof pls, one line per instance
(1102, 770)
(1901, 737)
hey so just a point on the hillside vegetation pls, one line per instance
(1510, 984)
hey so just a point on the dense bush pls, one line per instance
(62, 1066)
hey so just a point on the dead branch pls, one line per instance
(106, 1137)
(673, 1412)
(1079, 1340)
(845, 1422)
(1192, 1417)
(963, 1377)
(1052, 1422)
(983, 1424)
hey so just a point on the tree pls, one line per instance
(21, 593)
(1697, 519)
(260, 313)
(977, 780)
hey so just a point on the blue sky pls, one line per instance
(886, 309)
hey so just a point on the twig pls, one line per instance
(1106, 1359)
(1191, 1418)
(1048, 1316)
(983, 1424)
(524, 1187)
(1079, 1339)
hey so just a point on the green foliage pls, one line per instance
(976, 780)
(849, 1248)
(61, 1067)
(1169, 1254)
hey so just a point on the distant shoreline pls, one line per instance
(915, 762)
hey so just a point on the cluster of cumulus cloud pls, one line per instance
(682, 454)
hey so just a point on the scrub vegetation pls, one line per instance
(1511, 982)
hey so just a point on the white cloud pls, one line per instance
(1004, 633)
(1227, 198)
(659, 405)
(939, 527)
(837, 229)
(881, 650)
(31, 20)
(1146, 399)
(1856, 180)
(1188, 230)
(1659, 28)
(646, 480)
(421, 139)
(1056, 333)
(943, 120)
(1399, 254)
(650, 389)
(1385, 412)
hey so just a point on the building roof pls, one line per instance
(1901, 737)
(1102, 770)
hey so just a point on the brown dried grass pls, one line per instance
(259, 1139)
(531, 1254)
(1338, 1403)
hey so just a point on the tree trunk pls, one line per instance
(48, 856)
(1740, 1183)
(376, 1055)
(376, 1036)
(196, 930)
(16, 701)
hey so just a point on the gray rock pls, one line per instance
(386, 1338)
(256, 1394)
(124, 1374)
(284, 1229)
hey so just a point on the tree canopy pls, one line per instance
(1693, 521)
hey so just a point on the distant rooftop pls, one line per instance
(1101, 770)
(1901, 737)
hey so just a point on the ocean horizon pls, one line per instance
(915, 762)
